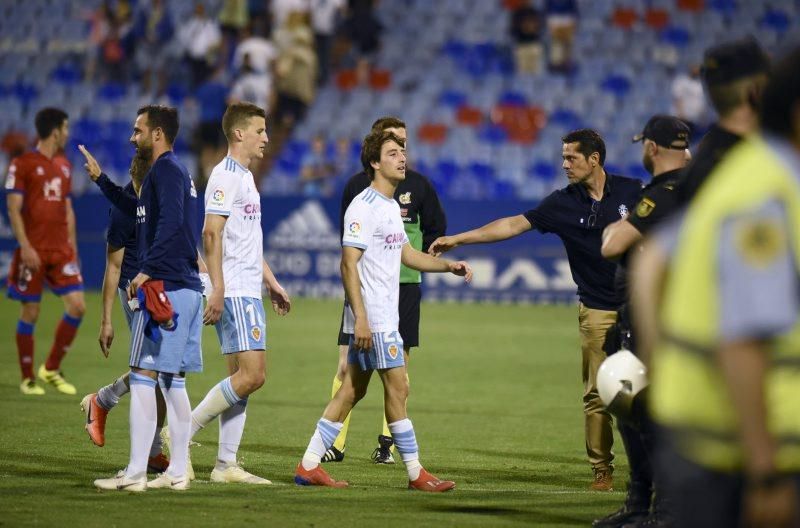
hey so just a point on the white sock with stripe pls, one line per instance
(406, 442)
(231, 429)
(142, 422)
(323, 438)
(179, 416)
(220, 398)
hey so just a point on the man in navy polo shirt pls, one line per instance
(578, 213)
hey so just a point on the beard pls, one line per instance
(647, 161)
(144, 152)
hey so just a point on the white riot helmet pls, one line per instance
(621, 378)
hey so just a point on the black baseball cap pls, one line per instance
(731, 61)
(667, 131)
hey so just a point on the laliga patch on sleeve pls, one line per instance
(354, 228)
(217, 198)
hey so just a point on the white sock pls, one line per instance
(406, 442)
(322, 439)
(219, 398)
(143, 423)
(179, 414)
(231, 428)
(156, 447)
(108, 396)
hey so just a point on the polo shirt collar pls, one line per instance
(585, 194)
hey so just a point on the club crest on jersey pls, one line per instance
(354, 228)
(404, 198)
(623, 210)
(256, 333)
(40, 170)
(393, 350)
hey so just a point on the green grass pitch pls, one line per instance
(495, 400)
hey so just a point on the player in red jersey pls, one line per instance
(41, 215)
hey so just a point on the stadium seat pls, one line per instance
(453, 98)
(469, 116)
(380, 79)
(624, 17)
(692, 6)
(656, 18)
(111, 92)
(776, 20)
(432, 133)
(346, 80)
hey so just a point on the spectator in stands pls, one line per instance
(281, 9)
(296, 69)
(562, 19)
(211, 99)
(688, 101)
(234, 19)
(201, 40)
(153, 30)
(252, 86)
(363, 30)
(317, 171)
(256, 44)
(100, 21)
(525, 29)
(324, 15)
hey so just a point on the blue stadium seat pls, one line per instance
(543, 170)
(617, 85)
(111, 92)
(677, 36)
(452, 98)
(512, 98)
(776, 20)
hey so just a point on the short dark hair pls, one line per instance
(163, 117)
(727, 97)
(371, 148)
(385, 122)
(780, 103)
(49, 119)
(139, 168)
(237, 113)
(589, 142)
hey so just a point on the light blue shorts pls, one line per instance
(180, 349)
(386, 353)
(242, 326)
(123, 299)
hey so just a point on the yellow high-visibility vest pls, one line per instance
(688, 394)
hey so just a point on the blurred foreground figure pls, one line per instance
(725, 383)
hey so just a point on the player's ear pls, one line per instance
(375, 165)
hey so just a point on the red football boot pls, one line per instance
(95, 419)
(429, 483)
(157, 464)
(316, 477)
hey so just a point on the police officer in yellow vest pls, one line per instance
(725, 367)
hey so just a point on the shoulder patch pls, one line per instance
(405, 198)
(645, 207)
(760, 242)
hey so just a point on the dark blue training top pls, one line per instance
(166, 225)
(122, 234)
(578, 220)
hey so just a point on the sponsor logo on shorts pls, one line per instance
(256, 333)
(71, 269)
(393, 350)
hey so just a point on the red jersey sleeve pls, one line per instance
(16, 180)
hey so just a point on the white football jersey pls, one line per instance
(373, 223)
(231, 192)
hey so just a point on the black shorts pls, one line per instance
(410, 298)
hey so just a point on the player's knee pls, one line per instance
(399, 391)
(254, 381)
(30, 312)
(76, 308)
(358, 394)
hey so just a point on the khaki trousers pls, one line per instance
(599, 434)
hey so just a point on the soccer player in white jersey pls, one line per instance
(233, 244)
(373, 245)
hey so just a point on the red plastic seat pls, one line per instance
(624, 17)
(432, 133)
(469, 115)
